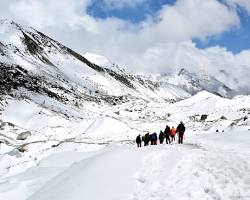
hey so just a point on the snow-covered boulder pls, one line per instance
(2, 124)
(23, 148)
(5, 163)
(23, 135)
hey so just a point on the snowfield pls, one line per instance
(70, 157)
(207, 166)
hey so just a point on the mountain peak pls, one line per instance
(9, 24)
(6, 21)
(182, 71)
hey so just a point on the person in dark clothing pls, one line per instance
(138, 141)
(180, 130)
(167, 134)
(147, 139)
(155, 138)
(151, 136)
(143, 140)
(161, 137)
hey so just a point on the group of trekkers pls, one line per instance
(168, 135)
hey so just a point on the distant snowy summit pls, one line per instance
(195, 82)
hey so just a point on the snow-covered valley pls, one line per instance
(211, 166)
(69, 121)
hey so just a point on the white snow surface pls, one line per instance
(98, 59)
(208, 166)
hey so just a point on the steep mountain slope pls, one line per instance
(63, 69)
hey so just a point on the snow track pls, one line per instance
(106, 176)
(205, 167)
(200, 175)
(204, 172)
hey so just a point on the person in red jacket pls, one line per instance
(172, 133)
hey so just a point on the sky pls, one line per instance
(147, 36)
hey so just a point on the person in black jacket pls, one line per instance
(147, 139)
(155, 138)
(180, 130)
(161, 137)
(138, 141)
(167, 134)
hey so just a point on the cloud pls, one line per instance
(120, 4)
(195, 19)
(245, 4)
(47, 13)
(148, 44)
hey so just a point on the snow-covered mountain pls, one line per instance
(27, 53)
(47, 87)
(195, 82)
(53, 78)
(54, 100)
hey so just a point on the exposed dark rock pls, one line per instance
(13, 77)
(120, 78)
(1, 49)
(31, 45)
(22, 148)
(35, 48)
(84, 60)
(223, 117)
(204, 117)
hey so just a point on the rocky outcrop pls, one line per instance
(23, 135)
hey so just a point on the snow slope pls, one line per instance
(210, 166)
(210, 169)
(93, 125)
(67, 71)
(108, 173)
